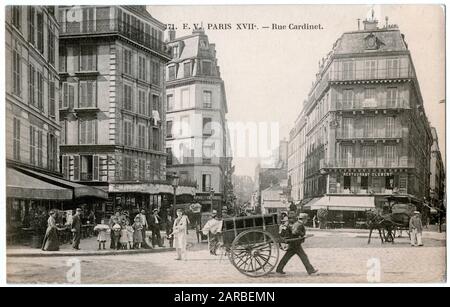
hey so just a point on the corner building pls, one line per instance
(367, 135)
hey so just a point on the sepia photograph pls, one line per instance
(224, 144)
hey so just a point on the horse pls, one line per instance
(383, 223)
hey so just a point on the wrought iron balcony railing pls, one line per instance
(371, 74)
(114, 26)
(370, 104)
(367, 163)
(368, 134)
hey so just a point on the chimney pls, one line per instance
(359, 24)
(370, 24)
(172, 34)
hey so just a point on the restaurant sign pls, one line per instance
(362, 174)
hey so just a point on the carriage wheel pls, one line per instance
(254, 253)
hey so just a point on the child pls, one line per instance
(124, 236)
(137, 235)
(116, 235)
(101, 228)
(130, 231)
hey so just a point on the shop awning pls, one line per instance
(79, 190)
(310, 203)
(150, 188)
(20, 185)
(344, 203)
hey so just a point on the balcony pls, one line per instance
(113, 26)
(369, 135)
(368, 163)
(86, 176)
(371, 104)
(371, 74)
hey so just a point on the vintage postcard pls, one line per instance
(225, 144)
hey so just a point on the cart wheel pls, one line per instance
(254, 253)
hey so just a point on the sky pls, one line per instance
(268, 73)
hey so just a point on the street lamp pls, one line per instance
(211, 195)
(174, 182)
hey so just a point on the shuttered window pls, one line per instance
(127, 97)
(392, 68)
(96, 168)
(65, 166)
(16, 139)
(88, 131)
(88, 58)
(32, 145)
(88, 94)
(76, 168)
(391, 97)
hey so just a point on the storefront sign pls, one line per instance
(385, 174)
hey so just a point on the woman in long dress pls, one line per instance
(51, 241)
(179, 233)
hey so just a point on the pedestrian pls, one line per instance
(137, 234)
(123, 235)
(145, 226)
(115, 230)
(101, 229)
(296, 234)
(130, 235)
(213, 228)
(314, 220)
(415, 229)
(115, 219)
(76, 229)
(179, 233)
(155, 225)
(51, 241)
(169, 227)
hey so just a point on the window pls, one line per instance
(127, 168)
(17, 69)
(88, 19)
(206, 68)
(40, 32)
(88, 131)
(68, 95)
(155, 139)
(392, 68)
(347, 182)
(187, 69)
(347, 99)
(155, 99)
(207, 126)
(142, 102)
(364, 182)
(33, 145)
(141, 169)
(172, 72)
(389, 182)
(369, 126)
(156, 68)
(51, 37)
(207, 154)
(206, 182)
(127, 97)
(368, 153)
(65, 166)
(370, 69)
(17, 16)
(391, 97)
(127, 133)
(16, 139)
(88, 94)
(31, 85)
(51, 98)
(62, 60)
(40, 91)
(347, 155)
(63, 125)
(88, 58)
(127, 61)
(185, 98)
(170, 103)
(347, 69)
(175, 52)
(142, 68)
(207, 99)
(52, 152)
(169, 128)
(390, 155)
(31, 24)
(169, 160)
(369, 93)
(347, 127)
(39, 149)
(390, 126)
(141, 136)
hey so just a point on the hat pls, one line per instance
(214, 212)
(155, 210)
(416, 212)
(79, 209)
(303, 216)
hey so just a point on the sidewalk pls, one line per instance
(88, 247)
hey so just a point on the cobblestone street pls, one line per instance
(341, 257)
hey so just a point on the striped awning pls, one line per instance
(20, 185)
(343, 203)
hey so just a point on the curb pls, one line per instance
(95, 253)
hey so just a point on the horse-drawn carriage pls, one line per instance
(253, 242)
(394, 218)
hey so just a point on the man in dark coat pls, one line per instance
(76, 229)
(297, 233)
(155, 224)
